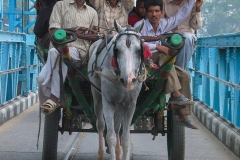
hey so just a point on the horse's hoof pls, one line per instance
(107, 151)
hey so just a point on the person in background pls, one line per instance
(44, 10)
(178, 82)
(137, 13)
(187, 28)
(108, 10)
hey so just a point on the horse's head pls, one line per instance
(128, 52)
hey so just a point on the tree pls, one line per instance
(220, 16)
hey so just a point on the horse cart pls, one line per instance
(151, 115)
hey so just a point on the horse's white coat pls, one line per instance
(116, 104)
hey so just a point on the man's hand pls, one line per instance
(162, 49)
(52, 30)
(81, 29)
(198, 5)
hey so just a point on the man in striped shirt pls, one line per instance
(108, 10)
(65, 14)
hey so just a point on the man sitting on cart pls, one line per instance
(178, 83)
(65, 14)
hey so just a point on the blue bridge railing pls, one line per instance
(19, 65)
(216, 74)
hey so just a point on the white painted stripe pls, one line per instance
(237, 146)
(204, 113)
(36, 95)
(214, 122)
(228, 138)
(4, 112)
(29, 101)
(24, 100)
(208, 118)
(11, 111)
(34, 98)
(220, 131)
(18, 106)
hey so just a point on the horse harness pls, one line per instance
(113, 75)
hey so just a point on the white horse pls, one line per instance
(116, 70)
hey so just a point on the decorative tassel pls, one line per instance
(113, 63)
(146, 51)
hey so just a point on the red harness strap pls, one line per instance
(146, 51)
(113, 62)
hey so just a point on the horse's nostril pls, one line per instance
(122, 80)
(134, 80)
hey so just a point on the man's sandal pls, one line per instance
(181, 100)
(49, 106)
(187, 123)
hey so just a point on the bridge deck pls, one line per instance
(19, 137)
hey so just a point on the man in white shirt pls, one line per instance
(178, 83)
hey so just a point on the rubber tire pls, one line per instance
(50, 137)
(175, 138)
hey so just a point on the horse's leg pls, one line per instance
(118, 149)
(100, 124)
(125, 138)
(118, 115)
(108, 111)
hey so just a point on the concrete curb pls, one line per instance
(14, 107)
(219, 126)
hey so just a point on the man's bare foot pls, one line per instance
(54, 98)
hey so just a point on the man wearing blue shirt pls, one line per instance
(178, 83)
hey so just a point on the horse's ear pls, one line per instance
(140, 27)
(117, 27)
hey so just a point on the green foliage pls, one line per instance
(220, 16)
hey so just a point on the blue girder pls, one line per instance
(216, 79)
(19, 65)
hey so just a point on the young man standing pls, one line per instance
(187, 28)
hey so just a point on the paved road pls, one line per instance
(18, 139)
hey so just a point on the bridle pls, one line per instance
(129, 31)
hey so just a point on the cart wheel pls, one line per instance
(175, 138)
(50, 137)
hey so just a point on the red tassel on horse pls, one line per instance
(146, 51)
(113, 62)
